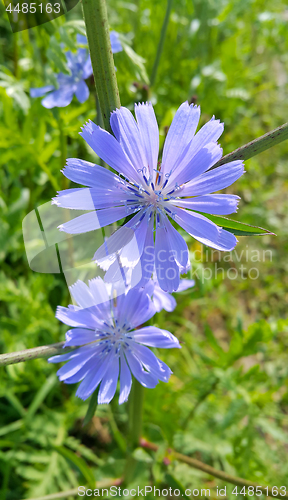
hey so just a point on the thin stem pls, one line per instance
(63, 148)
(161, 42)
(106, 483)
(44, 351)
(196, 464)
(97, 28)
(256, 146)
(198, 403)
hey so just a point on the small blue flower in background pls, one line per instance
(179, 187)
(164, 300)
(114, 39)
(80, 68)
(105, 328)
(79, 65)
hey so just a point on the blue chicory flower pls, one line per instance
(105, 328)
(179, 188)
(80, 67)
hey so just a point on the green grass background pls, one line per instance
(227, 401)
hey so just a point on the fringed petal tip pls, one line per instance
(139, 104)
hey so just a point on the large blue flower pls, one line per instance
(80, 67)
(150, 192)
(105, 326)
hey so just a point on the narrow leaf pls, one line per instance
(91, 409)
(238, 228)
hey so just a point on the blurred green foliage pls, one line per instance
(227, 402)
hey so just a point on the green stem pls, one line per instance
(256, 146)
(106, 483)
(196, 464)
(97, 28)
(63, 147)
(161, 42)
(135, 413)
(44, 351)
(135, 428)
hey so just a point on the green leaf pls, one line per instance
(79, 463)
(238, 228)
(142, 456)
(41, 395)
(175, 485)
(213, 341)
(91, 409)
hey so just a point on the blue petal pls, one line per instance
(89, 198)
(156, 337)
(82, 91)
(218, 204)
(148, 256)
(41, 91)
(93, 220)
(79, 317)
(215, 180)
(93, 379)
(149, 134)
(166, 267)
(210, 132)
(197, 225)
(125, 380)
(155, 367)
(180, 134)
(115, 42)
(178, 247)
(87, 68)
(80, 336)
(113, 244)
(145, 378)
(185, 284)
(204, 230)
(109, 383)
(77, 362)
(163, 300)
(202, 161)
(81, 39)
(82, 295)
(127, 134)
(99, 291)
(60, 98)
(109, 149)
(134, 308)
(61, 357)
(88, 174)
(82, 373)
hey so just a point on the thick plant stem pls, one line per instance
(135, 413)
(256, 146)
(161, 43)
(135, 428)
(97, 28)
(44, 351)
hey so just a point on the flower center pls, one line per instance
(115, 337)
